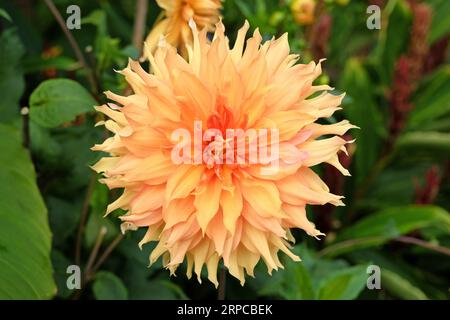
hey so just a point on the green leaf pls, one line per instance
(298, 280)
(76, 156)
(157, 289)
(246, 11)
(57, 101)
(400, 287)
(25, 237)
(36, 64)
(431, 284)
(43, 144)
(60, 264)
(395, 186)
(440, 24)
(5, 15)
(12, 82)
(431, 100)
(386, 224)
(391, 45)
(297, 283)
(98, 19)
(399, 220)
(345, 284)
(64, 217)
(434, 143)
(107, 286)
(361, 110)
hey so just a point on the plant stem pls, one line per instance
(139, 24)
(106, 253)
(83, 218)
(423, 244)
(222, 284)
(378, 241)
(74, 45)
(98, 242)
(88, 274)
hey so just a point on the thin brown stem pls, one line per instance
(423, 244)
(74, 45)
(139, 24)
(222, 284)
(342, 247)
(94, 252)
(83, 218)
(88, 273)
(106, 253)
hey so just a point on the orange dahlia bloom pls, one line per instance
(205, 211)
(175, 24)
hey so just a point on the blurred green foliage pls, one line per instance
(397, 199)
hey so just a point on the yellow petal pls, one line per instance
(207, 202)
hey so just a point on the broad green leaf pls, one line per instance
(361, 110)
(108, 286)
(398, 220)
(400, 287)
(57, 101)
(12, 82)
(379, 227)
(344, 284)
(25, 237)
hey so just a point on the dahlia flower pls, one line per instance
(200, 210)
(175, 24)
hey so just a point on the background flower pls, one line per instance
(175, 22)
